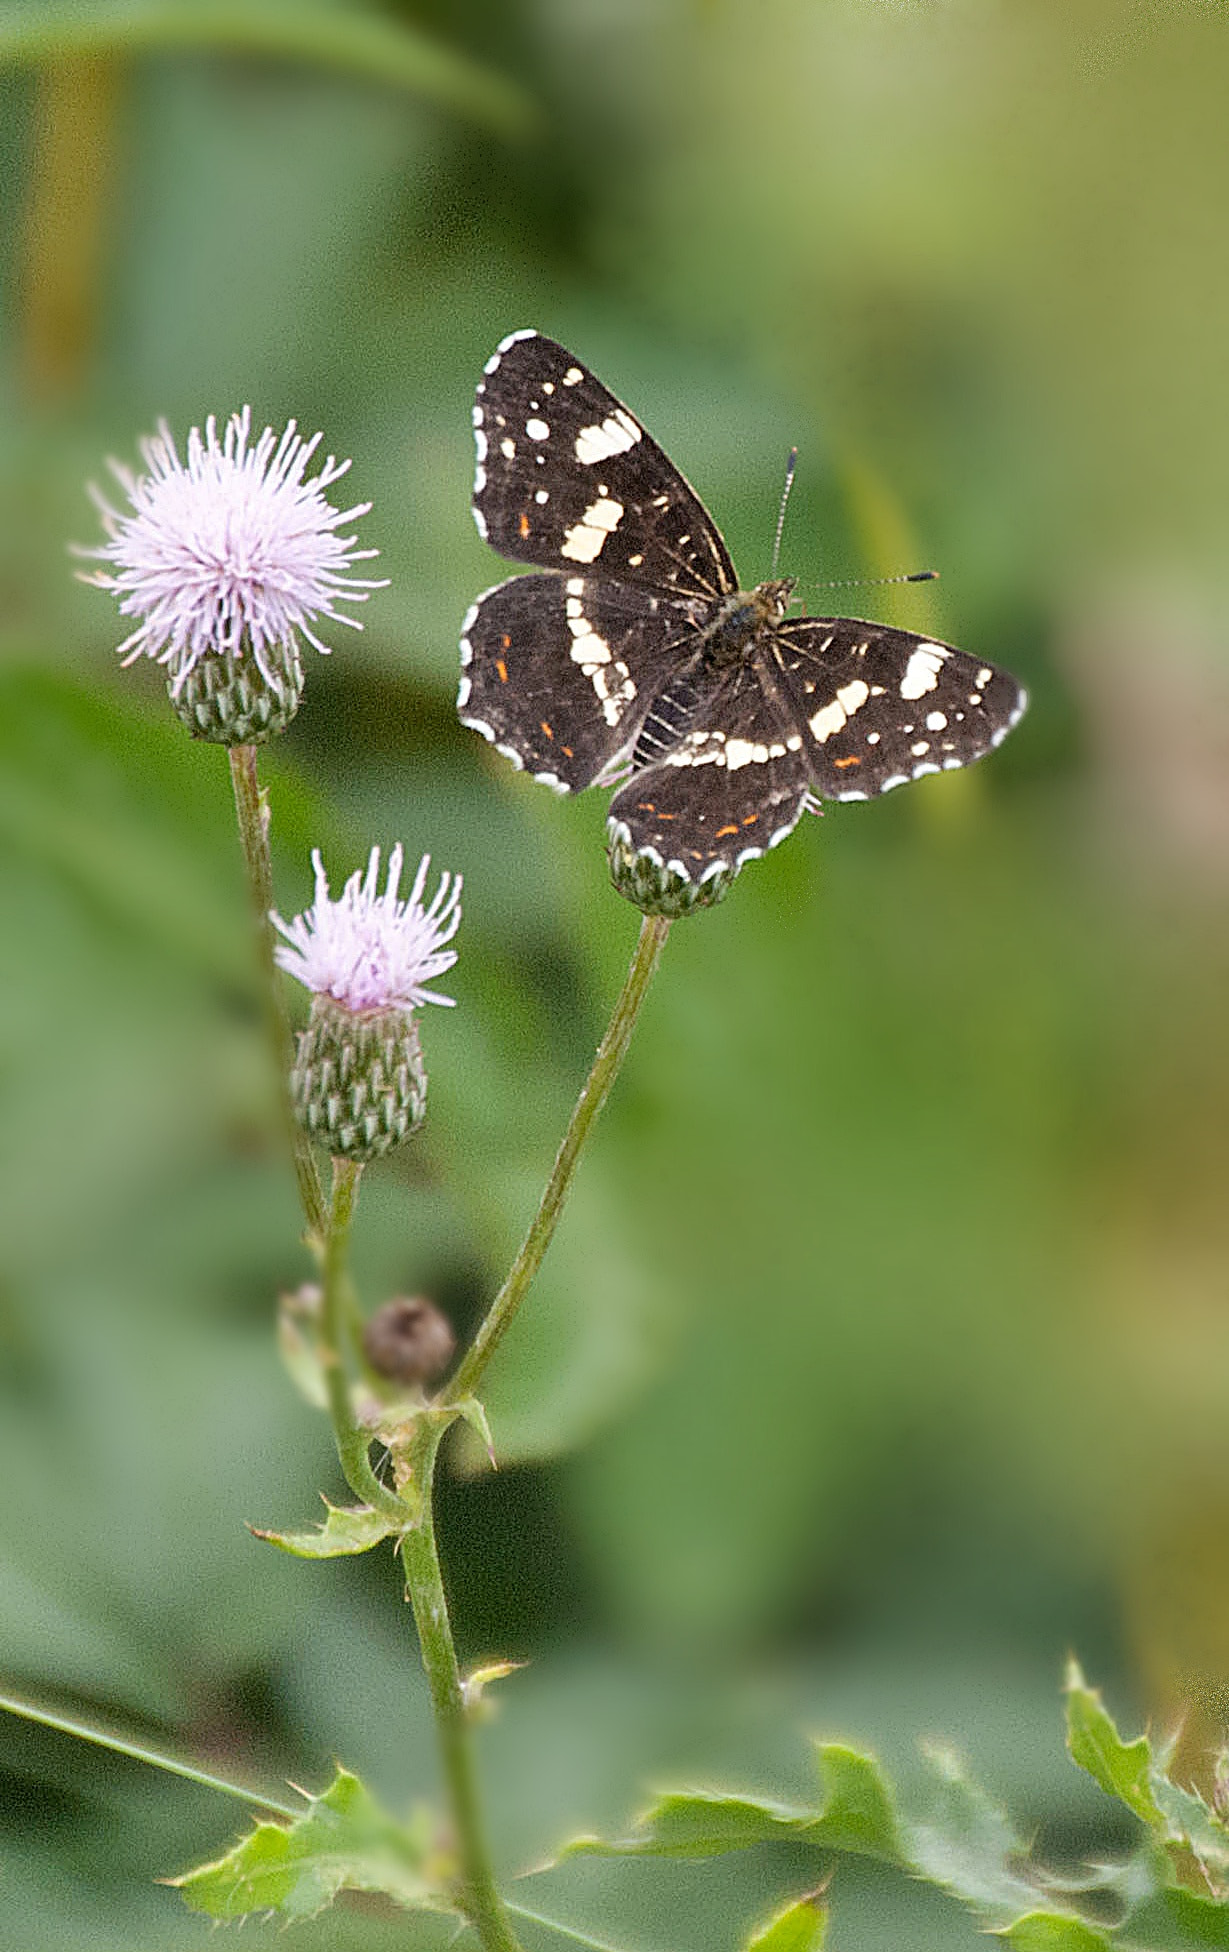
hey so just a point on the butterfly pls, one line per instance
(638, 659)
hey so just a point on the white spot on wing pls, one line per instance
(537, 430)
(583, 542)
(922, 671)
(832, 717)
(614, 435)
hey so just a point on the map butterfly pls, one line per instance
(638, 658)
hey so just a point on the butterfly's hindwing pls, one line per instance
(878, 707)
(732, 786)
(567, 478)
(560, 671)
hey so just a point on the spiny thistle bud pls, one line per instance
(227, 561)
(359, 1084)
(658, 887)
(409, 1340)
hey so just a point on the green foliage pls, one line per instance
(347, 1529)
(1050, 1931)
(954, 1836)
(801, 1927)
(1123, 1769)
(343, 1842)
(347, 41)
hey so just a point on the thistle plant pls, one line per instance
(226, 563)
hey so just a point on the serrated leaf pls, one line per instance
(966, 1844)
(857, 1811)
(344, 1841)
(1124, 1769)
(1050, 1931)
(347, 1529)
(801, 1927)
(701, 1823)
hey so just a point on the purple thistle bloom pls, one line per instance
(232, 552)
(370, 951)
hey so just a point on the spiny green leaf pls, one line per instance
(343, 1842)
(857, 1811)
(965, 1843)
(801, 1927)
(1122, 1768)
(347, 1529)
(701, 1823)
(1050, 1931)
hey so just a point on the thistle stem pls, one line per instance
(477, 1895)
(251, 809)
(610, 1054)
(352, 1442)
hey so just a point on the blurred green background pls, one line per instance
(883, 1354)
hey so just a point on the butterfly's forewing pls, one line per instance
(568, 479)
(877, 707)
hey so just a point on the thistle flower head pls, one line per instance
(371, 951)
(231, 553)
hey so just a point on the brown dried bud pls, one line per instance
(409, 1340)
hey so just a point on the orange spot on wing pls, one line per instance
(506, 641)
(546, 728)
(852, 760)
(568, 750)
(502, 669)
(523, 526)
(731, 828)
(749, 819)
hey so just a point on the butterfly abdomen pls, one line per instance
(671, 715)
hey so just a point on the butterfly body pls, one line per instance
(637, 653)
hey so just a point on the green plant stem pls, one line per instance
(252, 814)
(477, 1896)
(610, 1054)
(352, 1442)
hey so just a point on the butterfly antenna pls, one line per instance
(790, 465)
(863, 582)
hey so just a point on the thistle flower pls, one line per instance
(228, 560)
(359, 1083)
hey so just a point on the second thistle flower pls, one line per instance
(359, 1084)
